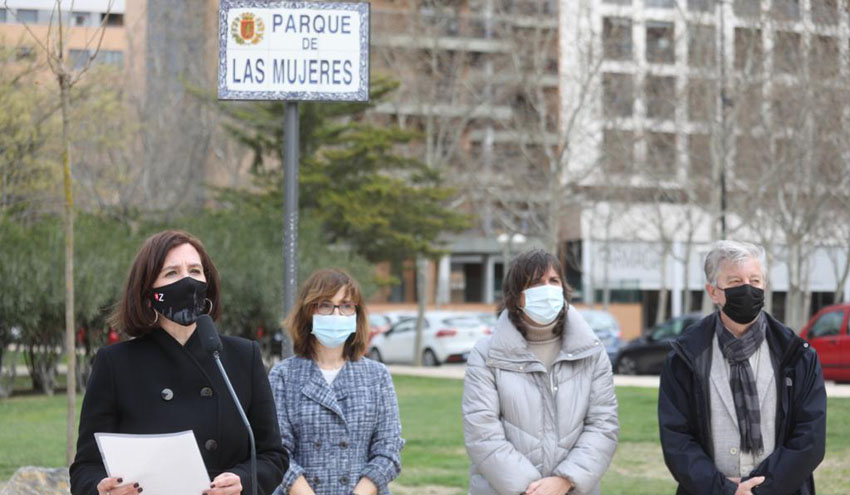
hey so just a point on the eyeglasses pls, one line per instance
(345, 309)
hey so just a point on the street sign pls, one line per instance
(293, 51)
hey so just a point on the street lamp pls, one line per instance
(508, 242)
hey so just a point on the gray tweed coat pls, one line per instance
(336, 434)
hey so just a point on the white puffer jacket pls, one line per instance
(522, 423)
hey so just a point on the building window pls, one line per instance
(702, 50)
(26, 16)
(824, 60)
(661, 154)
(747, 8)
(701, 5)
(617, 38)
(786, 52)
(661, 4)
(748, 51)
(699, 157)
(751, 158)
(785, 106)
(618, 151)
(110, 57)
(80, 19)
(701, 100)
(660, 97)
(659, 42)
(618, 95)
(617, 2)
(78, 58)
(112, 19)
(786, 10)
(825, 11)
(748, 105)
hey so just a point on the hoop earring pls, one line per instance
(155, 317)
(211, 304)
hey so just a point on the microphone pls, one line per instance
(211, 343)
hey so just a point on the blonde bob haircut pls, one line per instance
(323, 285)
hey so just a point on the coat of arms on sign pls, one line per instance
(247, 29)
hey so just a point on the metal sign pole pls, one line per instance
(290, 215)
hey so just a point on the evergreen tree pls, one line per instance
(354, 175)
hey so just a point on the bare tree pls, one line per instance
(541, 162)
(438, 93)
(791, 142)
(54, 49)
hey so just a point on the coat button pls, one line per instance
(166, 394)
(210, 445)
(315, 480)
(343, 480)
(733, 451)
(317, 444)
(206, 392)
(569, 354)
(343, 444)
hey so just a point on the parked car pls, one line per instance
(448, 336)
(827, 332)
(605, 327)
(490, 320)
(381, 322)
(646, 354)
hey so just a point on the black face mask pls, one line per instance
(743, 303)
(181, 302)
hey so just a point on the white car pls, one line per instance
(448, 337)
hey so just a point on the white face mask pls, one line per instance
(333, 330)
(543, 303)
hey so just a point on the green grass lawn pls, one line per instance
(33, 433)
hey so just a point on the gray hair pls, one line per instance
(731, 252)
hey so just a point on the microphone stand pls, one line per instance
(244, 420)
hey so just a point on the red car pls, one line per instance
(827, 332)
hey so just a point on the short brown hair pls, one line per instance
(323, 285)
(525, 270)
(134, 314)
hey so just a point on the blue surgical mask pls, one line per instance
(333, 330)
(543, 303)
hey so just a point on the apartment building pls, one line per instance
(466, 70)
(690, 100)
(82, 25)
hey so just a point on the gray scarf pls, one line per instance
(737, 352)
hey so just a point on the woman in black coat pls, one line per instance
(163, 382)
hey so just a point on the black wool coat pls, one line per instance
(152, 384)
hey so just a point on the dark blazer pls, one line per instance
(152, 384)
(685, 426)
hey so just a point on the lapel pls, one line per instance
(317, 389)
(720, 381)
(191, 352)
(766, 377)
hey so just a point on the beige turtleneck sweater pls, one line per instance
(544, 344)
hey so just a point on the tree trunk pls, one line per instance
(687, 301)
(70, 345)
(842, 279)
(661, 313)
(768, 288)
(606, 274)
(422, 298)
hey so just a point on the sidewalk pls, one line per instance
(456, 371)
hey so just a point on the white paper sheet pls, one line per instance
(167, 464)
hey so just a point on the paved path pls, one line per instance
(456, 371)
